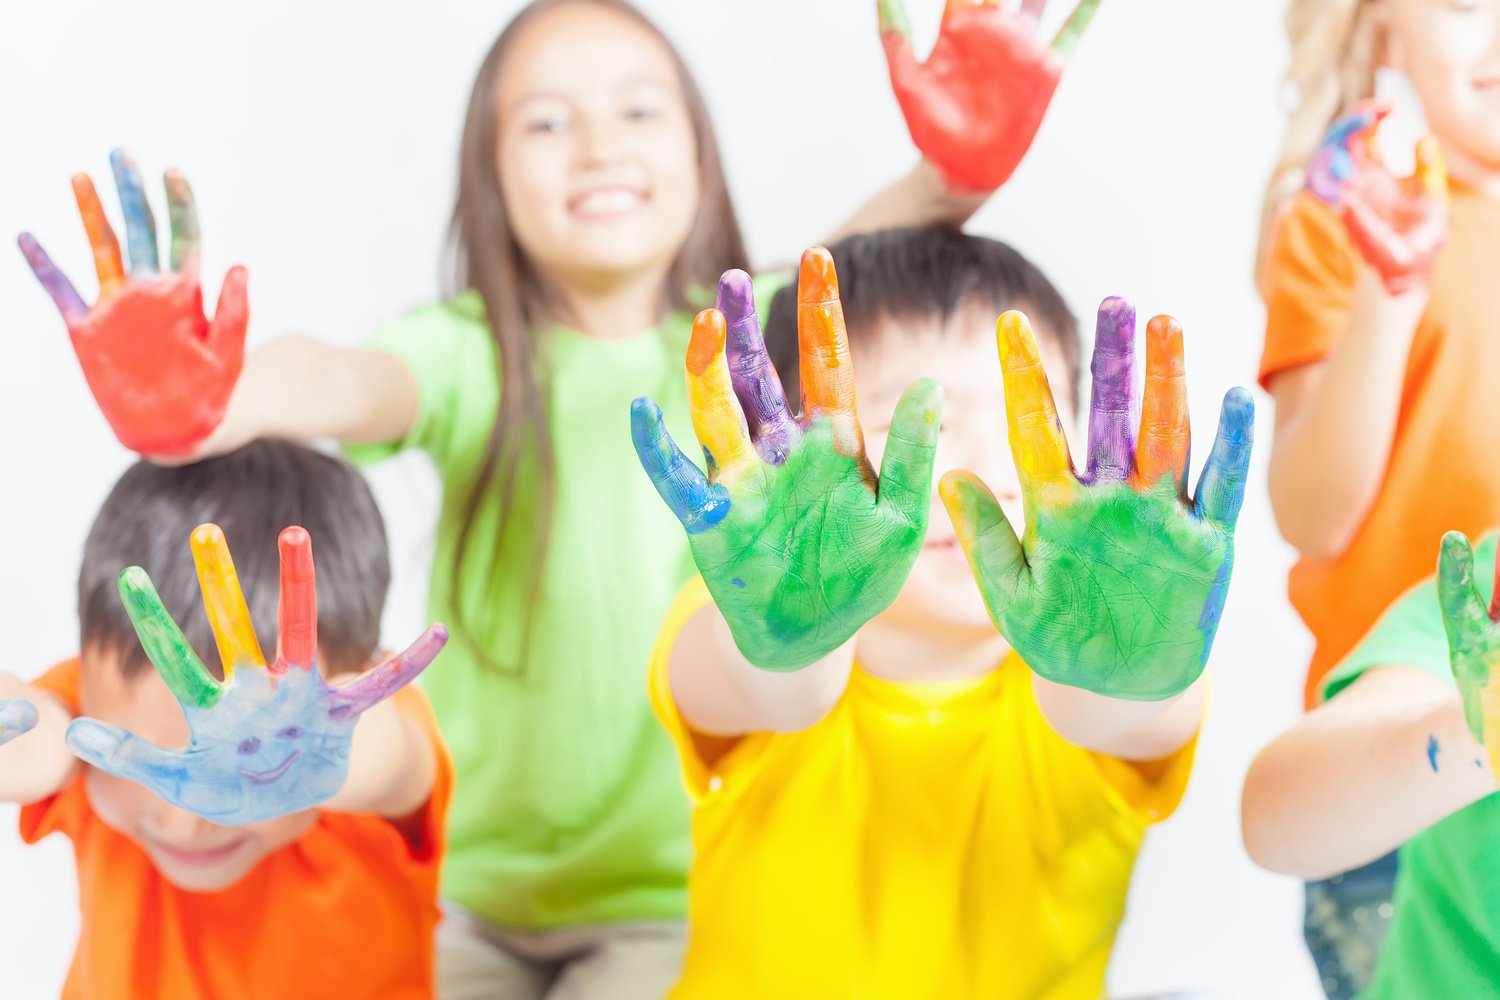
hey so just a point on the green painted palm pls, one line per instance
(796, 539)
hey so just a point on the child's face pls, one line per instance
(1451, 51)
(190, 852)
(961, 356)
(597, 159)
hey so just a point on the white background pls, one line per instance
(321, 139)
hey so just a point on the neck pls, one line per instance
(1472, 173)
(612, 310)
(897, 649)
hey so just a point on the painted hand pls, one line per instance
(1473, 641)
(17, 716)
(797, 540)
(267, 740)
(975, 105)
(1119, 580)
(1398, 224)
(160, 371)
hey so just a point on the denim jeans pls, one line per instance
(1344, 923)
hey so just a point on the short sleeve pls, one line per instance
(1411, 633)
(431, 827)
(1309, 287)
(448, 350)
(1151, 790)
(706, 760)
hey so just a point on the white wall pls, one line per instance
(320, 139)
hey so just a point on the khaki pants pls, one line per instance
(478, 961)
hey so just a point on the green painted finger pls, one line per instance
(1468, 626)
(910, 449)
(164, 643)
(990, 543)
(1072, 30)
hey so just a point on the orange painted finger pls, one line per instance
(717, 418)
(827, 368)
(1164, 442)
(1036, 435)
(107, 262)
(1431, 175)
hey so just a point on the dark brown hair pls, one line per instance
(929, 273)
(518, 300)
(252, 494)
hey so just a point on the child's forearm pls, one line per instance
(918, 198)
(1358, 777)
(37, 763)
(392, 766)
(1130, 730)
(300, 388)
(1335, 421)
(719, 692)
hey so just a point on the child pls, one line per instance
(592, 217)
(889, 801)
(1379, 351)
(1402, 752)
(335, 900)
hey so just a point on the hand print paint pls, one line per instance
(798, 540)
(975, 105)
(161, 372)
(267, 740)
(1117, 583)
(1473, 640)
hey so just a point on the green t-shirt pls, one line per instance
(568, 806)
(1444, 938)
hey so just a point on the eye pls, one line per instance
(289, 733)
(249, 745)
(642, 113)
(551, 124)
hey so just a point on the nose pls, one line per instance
(178, 825)
(601, 146)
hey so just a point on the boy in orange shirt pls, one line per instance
(326, 883)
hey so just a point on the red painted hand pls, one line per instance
(161, 372)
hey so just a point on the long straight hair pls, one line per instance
(519, 300)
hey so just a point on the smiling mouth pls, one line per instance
(266, 777)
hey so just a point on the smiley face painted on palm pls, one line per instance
(268, 740)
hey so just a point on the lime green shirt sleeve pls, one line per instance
(1411, 632)
(448, 350)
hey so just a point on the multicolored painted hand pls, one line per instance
(1119, 580)
(1473, 640)
(975, 105)
(17, 716)
(267, 740)
(797, 540)
(160, 371)
(1398, 224)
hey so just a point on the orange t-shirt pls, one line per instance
(1444, 468)
(348, 910)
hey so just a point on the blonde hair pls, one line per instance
(1335, 50)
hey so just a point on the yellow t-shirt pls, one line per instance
(930, 839)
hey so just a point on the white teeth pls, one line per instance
(608, 202)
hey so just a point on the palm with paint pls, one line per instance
(1118, 581)
(1473, 640)
(975, 105)
(267, 740)
(161, 372)
(796, 539)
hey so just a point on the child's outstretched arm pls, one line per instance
(269, 739)
(1336, 418)
(1113, 593)
(797, 539)
(173, 384)
(973, 107)
(1392, 753)
(34, 760)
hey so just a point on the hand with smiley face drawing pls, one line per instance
(268, 740)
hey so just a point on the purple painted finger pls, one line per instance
(68, 301)
(1113, 415)
(391, 676)
(754, 378)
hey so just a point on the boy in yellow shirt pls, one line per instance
(891, 799)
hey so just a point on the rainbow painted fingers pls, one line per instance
(267, 740)
(975, 105)
(17, 716)
(1398, 224)
(1118, 581)
(797, 540)
(161, 372)
(1473, 641)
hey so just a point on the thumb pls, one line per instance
(995, 553)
